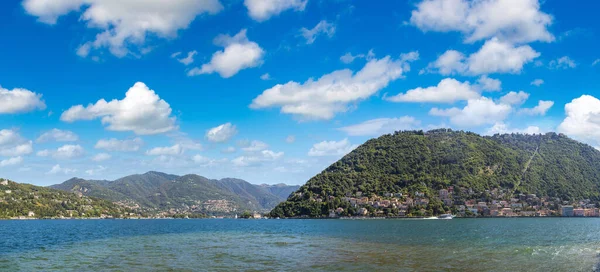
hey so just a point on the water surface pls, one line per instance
(518, 244)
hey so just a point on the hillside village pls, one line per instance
(497, 204)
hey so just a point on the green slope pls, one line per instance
(406, 162)
(19, 199)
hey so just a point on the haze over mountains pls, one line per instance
(156, 192)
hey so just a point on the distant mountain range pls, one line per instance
(160, 193)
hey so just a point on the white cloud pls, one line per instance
(11, 161)
(63, 152)
(257, 158)
(265, 76)
(450, 63)
(540, 109)
(19, 101)
(380, 126)
(124, 25)
(349, 58)
(204, 161)
(477, 112)
(228, 150)
(262, 10)
(494, 56)
(516, 21)
(489, 84)
(95, 171)
(130, 145)
(221, 133)
(57, 135)
(500, 57)
(168, 150)
(502, 128)
(331, 148)
(537, 82)
(13, 145)
(290, 139)
(582, 119)
(56, 169)
(239, 54)
(595, 62)
(331, 94)
(101, 157)
(514, 98)
(449, 90)
(141, 111)
(562, 63)
(323, 27)
(187, 60)
(256, 146)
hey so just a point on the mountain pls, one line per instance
(25, 200)
(281, 190)
(472, 166)
(157, 192)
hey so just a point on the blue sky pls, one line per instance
(274, 91)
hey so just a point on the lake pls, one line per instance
(510, 244)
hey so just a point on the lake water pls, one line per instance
(517, 244)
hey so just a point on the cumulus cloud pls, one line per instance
(537, 82)
(168, 150)
(11, 161)
(494, 56)
(101, 157)
(141, 111)
(562, 63)
(380, 126)
(228, 150)
(221, 133)
(95, 171)
(514, 98)
(57, 169)
(331, 148)
(502, 128)
(582, 119)
(124, 25)
(64, 152)
(515, 21)
(540, 109)
(257, 158)
(323, 27)
(331, 94)
(129, 145)
(19, 101)
(239, 53)
(13, 145)
(262, 10)
(57, 135)
(204, 161)
(449, 90)
(477, 112)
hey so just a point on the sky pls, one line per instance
(274, 91)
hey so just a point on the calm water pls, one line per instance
(546, 244)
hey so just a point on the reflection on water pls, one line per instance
(548, 244)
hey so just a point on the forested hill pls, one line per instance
(551, 165)
(30, 201)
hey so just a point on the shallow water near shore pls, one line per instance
(512, 244)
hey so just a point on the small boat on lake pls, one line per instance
(446, 216)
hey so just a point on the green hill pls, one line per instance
(550, 165)
(25, 200)
(156, 192)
